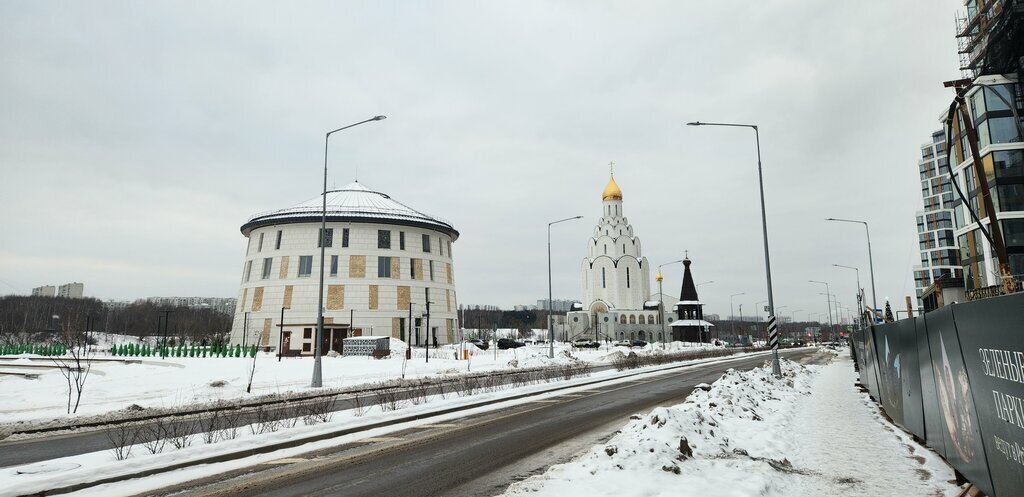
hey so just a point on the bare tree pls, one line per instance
(75, 364)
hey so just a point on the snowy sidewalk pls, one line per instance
(845, 446)
(808, 433)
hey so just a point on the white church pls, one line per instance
(616, 283)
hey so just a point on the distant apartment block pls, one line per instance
(478, 307)
(71, 290)
(44, 291)
(558, 305)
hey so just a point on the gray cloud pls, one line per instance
(136, 137)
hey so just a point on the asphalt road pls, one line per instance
(477, 455)
(27, 451)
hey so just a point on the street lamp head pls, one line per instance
(379, 118)
(695, 123)
(578, 217)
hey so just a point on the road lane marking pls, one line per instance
(379, 439)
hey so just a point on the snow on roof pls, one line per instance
(352, 202)
(690, 322)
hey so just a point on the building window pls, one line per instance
(426, 243)
(277, 244)
(334, 265)
(622, 318)
(440, 247)
(344, 237)
(603, 281)
(412, 269)
(431, 265)
(383, 239)
(627, 274)
(268, 262)
(642, 320)
(248, 269)
(305, 266)
(606, 249)
(383, 267)
(401, 240)
(327, 237)
(632, 319)
(259, 247)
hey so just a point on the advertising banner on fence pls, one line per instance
(991, 335)
(932, 417)
(888, 352)
(956, 403)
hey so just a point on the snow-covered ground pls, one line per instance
(179, 381)
(39, 477)
(807, 433)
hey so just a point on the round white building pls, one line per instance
(385, 261)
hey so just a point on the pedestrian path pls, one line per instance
(844, 446)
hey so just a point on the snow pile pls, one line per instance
(719, 442)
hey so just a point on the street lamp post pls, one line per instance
(551, 327)
(828, 292)
(661, 300)
(764, 231)
(871, 263)
(859, 303)
(732, 314)
(317, 371)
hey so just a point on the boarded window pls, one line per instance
(335, 297)
(357, 266)
(257, 299)
(374, 298)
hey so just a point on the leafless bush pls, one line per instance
(155, 435)
(122, 438)
(467, 386)
(211, 425)
(318, 410)
(418, 393)
(230, 419)
(358, 404)
(180, 433)
(388, 399)
(290, 415)
(265, 421)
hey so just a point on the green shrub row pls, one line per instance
(45, 349)
(182, 350)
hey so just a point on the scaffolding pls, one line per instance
(990, 37)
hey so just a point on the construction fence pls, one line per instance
(954, 377)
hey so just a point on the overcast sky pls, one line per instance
(136, 137)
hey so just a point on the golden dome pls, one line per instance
(612, 191)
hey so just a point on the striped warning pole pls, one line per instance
(773, 333)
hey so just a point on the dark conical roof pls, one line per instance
(689, 292)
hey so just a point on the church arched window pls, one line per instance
(650, 318)
(632, 319)
(627, 277)
(603, 282)
(642, 320)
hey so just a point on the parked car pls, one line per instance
(639, 343)
(623, 343)
(480, 344)
(584, 343)
(508, 343)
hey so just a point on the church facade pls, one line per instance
(615, 281)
